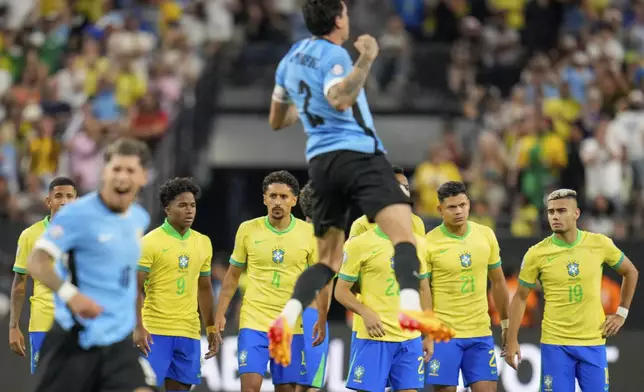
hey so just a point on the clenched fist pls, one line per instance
(367, 46)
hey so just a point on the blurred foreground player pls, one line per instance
(274, 250)
(96, 244)
(463, 255)
(569, 266)
(317, 82)
(176, 265)
(62, 190)
(314, 324)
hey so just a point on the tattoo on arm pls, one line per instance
(18, 290)
(344, 94)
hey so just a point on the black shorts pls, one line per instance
(342, 179)
(66, 367)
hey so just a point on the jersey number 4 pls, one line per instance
(313, 119)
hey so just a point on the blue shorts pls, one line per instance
(176, 358)
(35, 343)
(474, 357)
(314, 358)
(374, 363)
(252, 349)
(560, 365)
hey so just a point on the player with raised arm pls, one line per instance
(383, 353)
(317, 82)
(569, 266)
(314, 325)
(463, 256)
(176, 266)
(96, 244)
(62, 190)
(274, 250)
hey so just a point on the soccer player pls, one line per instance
(316, 338)
(316, 82)
(384, 352)
(62, 190)
(463, 255)
(176, 265)
(569, 266)
(274, 250)
(96, 243)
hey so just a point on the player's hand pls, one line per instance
(367, 46)
(504, 337)
(319, 332)
(512, 354)
(373, 324)
(84, 306)
(428, 348)
(220, 325)
(142, 340)
(213, 346)
(17, 341)
(612, 325)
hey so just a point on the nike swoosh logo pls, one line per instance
(550, 258)
(259, 241)
(165, 250)
(440, 252)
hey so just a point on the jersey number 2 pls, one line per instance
(313, 119)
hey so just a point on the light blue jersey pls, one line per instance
(98, 250)
(304, 77)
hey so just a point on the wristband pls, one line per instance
(505, 324)
(67, 291)
(211, 329)
(622, 312)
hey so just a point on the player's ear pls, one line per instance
(264, 199)
(294, 203)
(577, 213)
(48, 201)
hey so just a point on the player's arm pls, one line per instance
(499, 284)
(615, 258)
(17, 298)
(206, 300)
(283, 113)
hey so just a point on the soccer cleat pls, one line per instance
(426, 323)
(279, 341)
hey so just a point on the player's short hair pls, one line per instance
(451, 189)
(398, 170)
(319, 15)
(306, 200)
(176, 186)
(129, 147)
(563, 194)
(281, 177)
(61, 181)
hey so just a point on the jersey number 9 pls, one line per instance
(313, 119)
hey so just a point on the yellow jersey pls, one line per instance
(273, 260)
(41, 315)
(174, 264)
(457, 268)
(362, 225)
(571, 278)
(369, 258)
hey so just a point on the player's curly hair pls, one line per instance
(176, 186)
(61, 181)
(306, 200)
(320, 15)
(451, 189)
(281, 177)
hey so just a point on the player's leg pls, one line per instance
(479, 368)
(443, 368)
(592, 368)
(35, 344)
(185, 368)
(408, 368)
(285, 378)
(557, 369)
(160, 356)
(371, 364)
(252, 358)
(315, 358)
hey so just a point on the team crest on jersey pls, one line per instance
(466, 259)
(278, 256)
(434, 367)
(243, 356)
(358, 373)
(184, 260)
(573, 268)
(547, 383)
(337, 70)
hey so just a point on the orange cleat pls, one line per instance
(279, 342)
(426, 323)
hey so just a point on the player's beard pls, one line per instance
(277, 213)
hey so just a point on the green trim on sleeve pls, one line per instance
(348, 278)
(526, 284)
(621, 260)
(236, 263)
(205, 273)
(21, 271)
(495, 265)
(142, 268)
(424, 276)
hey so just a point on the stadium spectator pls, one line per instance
(431, 174)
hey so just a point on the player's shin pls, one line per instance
(406, 268)
(308, 285)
